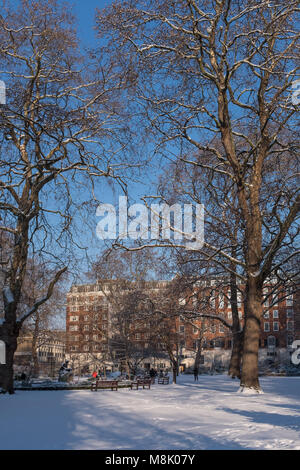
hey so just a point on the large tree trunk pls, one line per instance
(237, 336)
(234, 369)
(6, 370)
(249, 379)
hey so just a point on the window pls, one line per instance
(275, 313)
(86, 327)
(266, 314)
(86, 337)
(86, 347)
(95, 337)
(265, 293)
(266, 326)
(290, 325)
(221, 300)
(181, 301)
(271, 342)
(289, 300)
(221, 328)
(289, 312)
(275, 326)
(74, 318)
(181, 328)
(73, 327)
(86, 317)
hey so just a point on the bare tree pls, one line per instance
(57, 131)
(222, 72)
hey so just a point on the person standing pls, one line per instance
(196, 373)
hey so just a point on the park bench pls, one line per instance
(112, 384)
(141, 383)
(163, 380)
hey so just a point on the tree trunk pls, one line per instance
(6, 370)
(236, 355)
(34, 352)
(249, 379)
(237, 337)
(175, 373)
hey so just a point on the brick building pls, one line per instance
(94, 339)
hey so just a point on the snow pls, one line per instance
(209, 414)
(8, 295)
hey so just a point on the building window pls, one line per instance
(86, 317)
(275, 313)
(289, 300)
(275, 326)
(290, 325)
(86, 347)
(266, 326)
(74, 318)
(289, 312)
(86, 327)
(181, 328)
(266, 314)
(73, 327)
(271, 341)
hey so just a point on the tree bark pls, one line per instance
(237, 337)
(6, 370)
(249, 378)
(236, 355)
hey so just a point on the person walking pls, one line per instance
(196, 373)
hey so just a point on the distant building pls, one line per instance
(50, 352)
(93, 341)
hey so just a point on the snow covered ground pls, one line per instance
(206, 415)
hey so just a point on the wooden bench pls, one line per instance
(112, 384)
(140, 383)
(163, 380)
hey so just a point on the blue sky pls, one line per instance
(85, 12)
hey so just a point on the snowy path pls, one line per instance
(207, 415)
